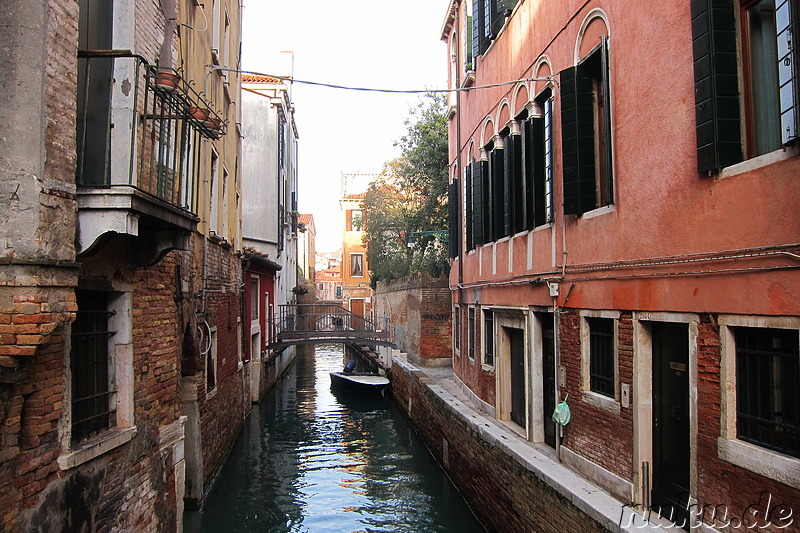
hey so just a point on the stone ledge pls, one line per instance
(95, 447)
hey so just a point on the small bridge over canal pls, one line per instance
(316, 323)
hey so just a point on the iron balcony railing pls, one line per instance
(141, 126)
(295, 322)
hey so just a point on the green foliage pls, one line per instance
(408, 202)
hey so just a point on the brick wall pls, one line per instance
(721, 482)
(223, 410)
(480, 379)
(593, 432)
(419, 312)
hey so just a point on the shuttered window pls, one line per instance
(586, 134)
(479, 207)
(764, 66)
(515, 217)
(788, 69)
(537, 134)
(468, 32)
(470, 237)
(498, 199)
(454, 219)
(488, 18)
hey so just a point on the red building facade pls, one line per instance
(624, 233)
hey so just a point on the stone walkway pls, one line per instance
(591, 499)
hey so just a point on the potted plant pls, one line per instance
(167, 79)
(198, 113)
(299, 290)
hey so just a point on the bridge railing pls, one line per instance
(326, 321)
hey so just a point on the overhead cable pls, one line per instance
(291, 79)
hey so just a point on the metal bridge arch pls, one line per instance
(314, 323)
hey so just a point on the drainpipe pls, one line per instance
(170, 19)
(461, 251)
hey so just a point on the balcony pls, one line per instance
(140, 134)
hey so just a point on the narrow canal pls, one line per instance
(311, 461)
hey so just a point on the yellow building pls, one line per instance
(356, 291)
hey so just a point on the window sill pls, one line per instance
(600, 211)
(489, 369)
(604, 403)
(469, 79)
(769, 464)
(748, 165)
(95, 447)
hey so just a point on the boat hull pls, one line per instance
(359, 382)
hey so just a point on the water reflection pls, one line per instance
(311, 461)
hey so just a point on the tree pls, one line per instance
(405, 210)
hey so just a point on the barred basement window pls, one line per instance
(488, 335)
(457, 328)
(767, 382)
(471, 333)
(601, 355)
(92, 383)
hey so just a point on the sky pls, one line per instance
(360, 43)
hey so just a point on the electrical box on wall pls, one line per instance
(626, 395)
(553, 289)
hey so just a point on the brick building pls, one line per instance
(624, 223)
(120, 288)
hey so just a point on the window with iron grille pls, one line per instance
(601, 355)
(92, 387)
(767, 380)
(211, 361)
(471, 333)
(488, 334)
(457, 328)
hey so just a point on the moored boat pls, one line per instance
(358, 381)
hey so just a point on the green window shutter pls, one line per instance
(716, 84)
(468, 43)
(577, 141)
(498, 200)
(534, 130)
(479, 41)
(514, 147)
(607, 158)
(786, 17)
(508, 191)
(478, 207)
(486, 207)
(468, 206)
(453, 218)
(498, 18)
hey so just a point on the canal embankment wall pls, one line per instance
(510, 484)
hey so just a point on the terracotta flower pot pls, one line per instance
(167, 80)
(212, 123)
(198, 113)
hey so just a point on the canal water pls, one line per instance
(311, 461)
